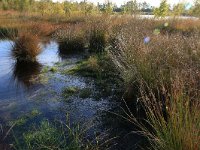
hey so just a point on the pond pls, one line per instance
(20, 92)
(31, 89)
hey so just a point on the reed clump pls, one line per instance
(164, 70)
(26, 47)
(71, 39)
(8, 32)
(97, 40)
(42, 29)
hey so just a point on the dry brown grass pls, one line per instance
(165, 70)
(42, 29)
(187, 25)
(26, 47)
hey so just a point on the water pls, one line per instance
(25, 87)
(21, 91)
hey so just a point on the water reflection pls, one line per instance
(46, 42)
(26, 73)
(49, 55)
(71, 47)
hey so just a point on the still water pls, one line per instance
(22, 89)
(25, 87)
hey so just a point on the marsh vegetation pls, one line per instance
(98, 77)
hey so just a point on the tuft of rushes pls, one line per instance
(26, 47)
(7, 32)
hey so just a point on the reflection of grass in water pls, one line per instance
(26, 72)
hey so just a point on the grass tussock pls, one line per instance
(8, 32)
(97, 40)
(74, 45)
(26, 47)
(71, 39)
(42, 29)
(162, 72)
(177, 129)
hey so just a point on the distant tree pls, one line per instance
(86, 7)
(146, 8)
(163, 10)
(132, 7)
(5, 5)
(57, 8)
(116, 9)
(145, 5)
(24, 5)
(196, 8)
(178, 9)
(67, 8)
(89, 8)
(107, 7)
(44, 7)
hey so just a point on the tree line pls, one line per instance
(131, 7)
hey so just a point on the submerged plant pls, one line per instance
(59, 135)
(50, 136)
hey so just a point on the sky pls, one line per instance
(151, 2)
